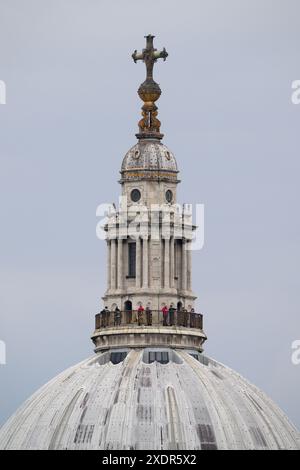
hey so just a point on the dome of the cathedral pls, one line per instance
(149, 155)
(149, 399)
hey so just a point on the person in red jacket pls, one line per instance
(140, 315)
(165, 312)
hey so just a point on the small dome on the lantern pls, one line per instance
(149, 158)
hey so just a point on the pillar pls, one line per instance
(113, 262)
(183, 265)
(145, 262)
(172, 262)
(120, 263)
(167, 263)
(108, 264)
(138, 263)
(189, 265)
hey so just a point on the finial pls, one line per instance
(149, 91)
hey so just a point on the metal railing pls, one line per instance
(134, 318)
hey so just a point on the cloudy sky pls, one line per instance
(226, 113)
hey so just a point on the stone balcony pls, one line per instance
(182, 330)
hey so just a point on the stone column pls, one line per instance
(108, 264)
(120, 263)
(145, 262)
(189, 265)
(138, 263)
(183, 265)
(113, 264)
(172, 262)
(167, 263)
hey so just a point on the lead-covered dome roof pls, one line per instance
(180, 402)
(148, 159)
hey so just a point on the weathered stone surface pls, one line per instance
(139, 337)
(183, 404)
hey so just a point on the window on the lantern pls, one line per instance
(131, 259)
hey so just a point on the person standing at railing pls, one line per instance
(198, 320)
(171, 315)
(165, 313)
(107, 316)
(148, 316)
(117, 318)
(140, 315)
(104, 317)
(185, 317)
(192, 318)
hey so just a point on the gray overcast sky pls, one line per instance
(226, 113)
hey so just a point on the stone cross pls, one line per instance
(149, 55)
